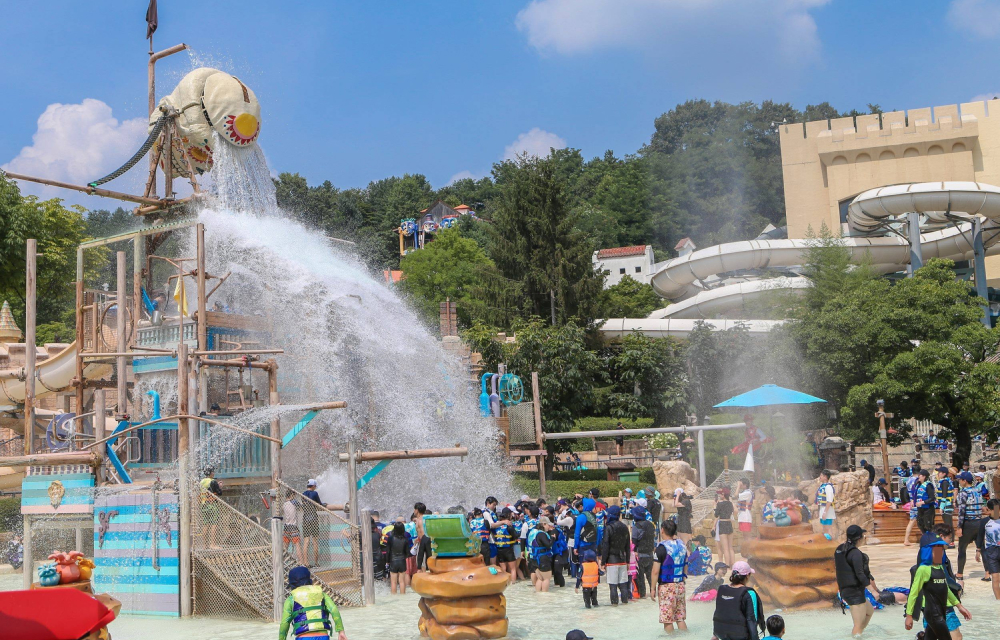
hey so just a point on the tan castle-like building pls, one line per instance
(827, 163)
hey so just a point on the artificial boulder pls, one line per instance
(852, 502)
(794, 566)
(673, 474)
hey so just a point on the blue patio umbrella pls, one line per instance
(769, 395)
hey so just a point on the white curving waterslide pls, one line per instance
(51, 375)
(938, 203)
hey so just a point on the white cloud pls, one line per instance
(462, 175)
(686, 27)
(985, 96)
(979, 17)
(537, 142)
(77, 143)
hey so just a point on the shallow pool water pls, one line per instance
(549, 616)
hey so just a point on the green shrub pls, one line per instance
(10, 514)
(647, 477)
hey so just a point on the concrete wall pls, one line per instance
(828, 161)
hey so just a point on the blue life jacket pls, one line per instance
(983, 489)
(821, 499)
(537, 552)
(503, 537)
(767, 513)
(531, 522)
(480, 528)
(672, 568)
(945, 495)
(559, 545)
(924, 494)
(700, 561)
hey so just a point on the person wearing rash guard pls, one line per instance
(945, 495)
(825, 499)
(739, 614)
(308, 612)
(615, 546)
(540, 541)
(587, 535)
(926, 502)
(930, 595)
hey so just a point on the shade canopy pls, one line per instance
(767, 396)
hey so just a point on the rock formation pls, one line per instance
(853, 502)
(673, 474)
(794, 566)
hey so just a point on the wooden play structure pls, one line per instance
(91, 465)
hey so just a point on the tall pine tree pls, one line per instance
(536, 241)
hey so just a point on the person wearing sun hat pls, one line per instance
(739, 614)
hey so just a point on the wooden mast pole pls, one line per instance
(80, 386)
(202, 315)
(121, 344)
(31, 270)
(277, 528)
(184, 463)
(539, 437)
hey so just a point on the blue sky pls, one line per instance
(358, 91)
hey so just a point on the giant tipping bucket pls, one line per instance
(461, 598)
(207, 100)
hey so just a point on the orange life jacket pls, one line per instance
(591, 577)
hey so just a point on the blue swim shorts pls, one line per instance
(951, 619)
(826, 523)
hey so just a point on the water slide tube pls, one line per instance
(711, 302)
(679, 280)
(51, 376)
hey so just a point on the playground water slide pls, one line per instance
(51, 376)
(680, 279)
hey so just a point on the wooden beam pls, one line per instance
(94, 191)
(65, 457)
(179, 418)
(407, 454)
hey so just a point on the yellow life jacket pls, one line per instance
(206, 494)
(309, 614)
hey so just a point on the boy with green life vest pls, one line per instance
(309, 612)
(931, 595)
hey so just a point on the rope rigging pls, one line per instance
(143, 150)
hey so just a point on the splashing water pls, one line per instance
(241, 179)
(346, 337)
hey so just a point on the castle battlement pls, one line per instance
(892, 123)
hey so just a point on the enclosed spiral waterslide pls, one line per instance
(953, 220)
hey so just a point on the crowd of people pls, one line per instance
(638, 551)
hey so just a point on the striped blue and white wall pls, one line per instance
(78, 496)
(124, 558)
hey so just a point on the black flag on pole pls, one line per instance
(151, 21)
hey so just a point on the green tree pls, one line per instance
(447, 268)
(567, 370)
(711, 357)
(649, 380)
(629, 299)
(535, 241)
(58, 231)
(918, 344)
